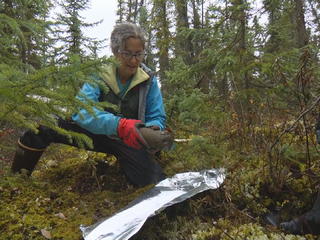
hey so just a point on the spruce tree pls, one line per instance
(161, 24)
(71, 38)
(23, 26)
(33, 92)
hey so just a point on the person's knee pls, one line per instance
(34, 140)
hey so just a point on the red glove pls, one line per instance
(129, 134)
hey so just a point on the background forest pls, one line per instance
(239, 78)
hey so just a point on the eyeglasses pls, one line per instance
(128, 55)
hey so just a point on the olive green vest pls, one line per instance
(133, 104)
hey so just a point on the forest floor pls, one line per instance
(71, 187)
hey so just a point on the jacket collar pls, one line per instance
(108, 74)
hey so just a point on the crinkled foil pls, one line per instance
(129, 220)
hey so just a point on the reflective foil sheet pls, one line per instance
(129, 220)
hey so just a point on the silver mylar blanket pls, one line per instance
(129, 220)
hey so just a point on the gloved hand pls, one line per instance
(129, 134)
(155, 139)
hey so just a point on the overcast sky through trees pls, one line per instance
(101, 9)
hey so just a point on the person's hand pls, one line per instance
(156, 140)
(128, 132)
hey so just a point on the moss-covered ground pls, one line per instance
(71, 187)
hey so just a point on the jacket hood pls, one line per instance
(109, 73)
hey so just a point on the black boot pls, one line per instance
(25, 159)
(306, 223)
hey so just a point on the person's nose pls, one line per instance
(134, 60)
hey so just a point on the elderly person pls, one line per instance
(136, 92)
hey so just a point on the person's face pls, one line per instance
(131, 57)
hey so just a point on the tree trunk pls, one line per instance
(273, 9)
(302, 38)
(196, 16)
(315, 13)
(183, 42)
(130, 11)
(121, 11)
(162, 38)
(241, 77)
(204, 80)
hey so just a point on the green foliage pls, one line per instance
(60, 197)
(187, 102)
(246, 231)
(24, 32)
(231, 86)
(32, 90)
(69, 25)
(40, 96)
(29, 209)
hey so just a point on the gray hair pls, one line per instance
(121, 32)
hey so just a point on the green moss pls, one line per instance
(71, 187)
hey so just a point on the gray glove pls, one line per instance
(156, 140)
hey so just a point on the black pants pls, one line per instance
(139, 166)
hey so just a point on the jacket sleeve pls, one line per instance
(102, 122)
(155, 114)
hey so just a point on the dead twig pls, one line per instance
(287, 130)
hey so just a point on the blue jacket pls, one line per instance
(151, 109)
